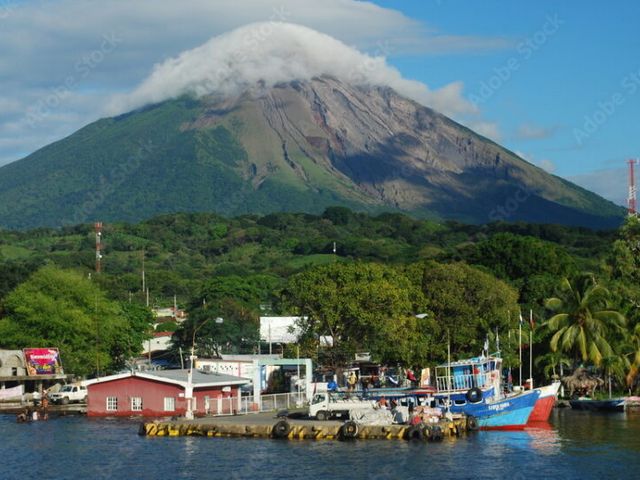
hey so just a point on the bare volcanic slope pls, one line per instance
(294, 146)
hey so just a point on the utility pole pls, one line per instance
(188, 391)
(144, 285)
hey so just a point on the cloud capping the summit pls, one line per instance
(275, 52)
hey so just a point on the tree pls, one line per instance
(363, 307)
(631, 354)
(552, 361)
(584, 322)
(233, 299)
(513, 257)
(63, 309)
(227, 326)
(468, 303)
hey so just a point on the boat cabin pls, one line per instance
(477, 372)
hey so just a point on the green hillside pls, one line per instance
(139, 165)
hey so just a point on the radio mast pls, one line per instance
(98, 228)
(631, 200)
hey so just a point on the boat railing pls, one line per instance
(461, 382)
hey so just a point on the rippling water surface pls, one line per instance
(574, 445)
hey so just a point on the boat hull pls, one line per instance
(545, 403)
(511, 413)
(613, 405)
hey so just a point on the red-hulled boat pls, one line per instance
(545, 403)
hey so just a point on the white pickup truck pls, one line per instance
(326, 405)
(74, 393)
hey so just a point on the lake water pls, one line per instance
(575, 445)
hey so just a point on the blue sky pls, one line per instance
(556, 82)
(571, 104)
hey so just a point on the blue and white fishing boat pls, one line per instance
(474, 387)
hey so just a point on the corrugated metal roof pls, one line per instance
(198, 377)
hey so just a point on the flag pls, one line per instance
(486, 344)
(521, 319)
(531, 321)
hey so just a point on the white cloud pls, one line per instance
(547, 165)
(610, 183)
(268, 53)
(43, 41)
(528, 131)
(486, 129)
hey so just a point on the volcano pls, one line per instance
(292, 146)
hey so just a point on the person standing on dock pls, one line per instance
(352, 381)
(35, 396)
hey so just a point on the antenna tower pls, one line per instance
(98, 227)
(631, 200)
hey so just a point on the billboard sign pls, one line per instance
(280, 329)
(43, 361)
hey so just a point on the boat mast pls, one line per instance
(531, 349)
(448, 372)
(520, 347)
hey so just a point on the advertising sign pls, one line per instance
(42, 361)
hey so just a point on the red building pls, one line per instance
(162, 393)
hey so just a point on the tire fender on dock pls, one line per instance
(414, 433)
(281, 429)
(349, 430)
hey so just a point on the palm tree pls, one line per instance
(632, 358)
(552, 361)
(583, 322)
(614, 367)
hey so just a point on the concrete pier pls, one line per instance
(266, 426)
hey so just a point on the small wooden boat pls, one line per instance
(609, 405)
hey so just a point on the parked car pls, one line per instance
(69, 394)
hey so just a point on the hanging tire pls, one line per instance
(472, 424)
(414, 433)
(436, 433)
(474, 395)
(349, 430)
(427, 432)
(281, 429)
(322, 415)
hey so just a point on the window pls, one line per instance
(112, 404)
(169, 404)
(136, 404)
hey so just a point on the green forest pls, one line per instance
(391, 285)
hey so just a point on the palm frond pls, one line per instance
(553, 303)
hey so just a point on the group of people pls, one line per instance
(400, 415)
(366, 382)
(38, 411)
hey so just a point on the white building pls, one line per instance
(160, 341)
